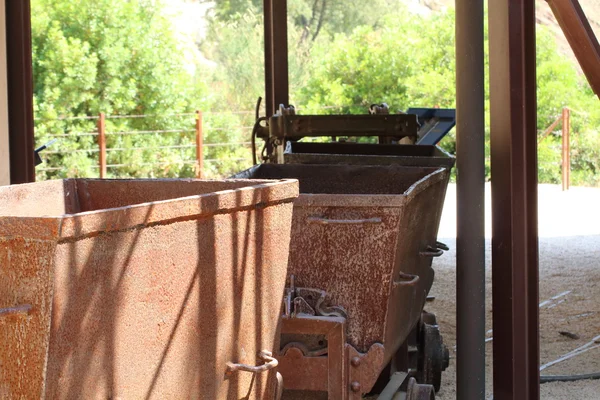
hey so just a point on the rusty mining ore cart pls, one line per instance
(173, 288)
(142, 289)
(364, 234)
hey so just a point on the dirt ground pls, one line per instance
(569, 247)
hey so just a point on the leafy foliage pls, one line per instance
(370, 65)
(116, 57)
(312, 17)
(124, 58)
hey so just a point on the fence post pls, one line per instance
(566, 149)
(102, 144)
(199, 146)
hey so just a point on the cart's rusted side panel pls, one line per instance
(365, 252)
(363, 239)
(25, 299)
(150, 300)
(351, 260)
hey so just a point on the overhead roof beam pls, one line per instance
(579, 34)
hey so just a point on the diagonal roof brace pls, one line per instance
(579, 33)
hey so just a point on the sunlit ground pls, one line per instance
(569, 230)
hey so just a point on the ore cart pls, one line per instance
(363, 238)
(155, 289)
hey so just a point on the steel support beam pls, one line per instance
(4, 141)
(514, 199)
(470, 245)
(276, 55)
(579, 34)
(20, 91)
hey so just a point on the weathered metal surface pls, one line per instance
(433, 356)
(364, 369)
(367, 154)
(306, 356)
(26, 276)
(514, 199)
(416, 391)
(339, 372)
(304, 372)
(324, 374)
(372, 154)
(357, 233)
(142, 289)
(581, 37)
(298, 126)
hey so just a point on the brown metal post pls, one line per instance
(566, 149)
(280, 54)
(102, 144)
(199, 146)
(514, 199)
(276, 55)
(20, 91)
(267, 13)
(470, 241)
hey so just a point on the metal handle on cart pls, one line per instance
(264, 355)
(325, 221)
(406, 280)
(279, 390)
(21, 310)
(431, 252)
(442, 246)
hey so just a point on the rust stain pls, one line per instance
(358, 232)
(143, 289)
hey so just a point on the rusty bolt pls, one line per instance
(355, 361)
(355, 386)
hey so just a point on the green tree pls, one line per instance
(237, 47)
(375, 65)
(313, 17)
(116, 57)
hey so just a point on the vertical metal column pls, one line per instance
(276, 55)
(199, 145)
(470, 245)
(4, 139)
(20, 91)
(514, 199)
(566, 149)
(102, 145)
(268, 21)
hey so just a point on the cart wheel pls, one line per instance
(416, 391)
(434, 356)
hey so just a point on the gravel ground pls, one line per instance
(569, 244)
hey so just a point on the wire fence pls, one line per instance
(211, 144)
(199, 144)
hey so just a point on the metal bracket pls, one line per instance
(299, 126)
(316, 373)
(308, 301)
